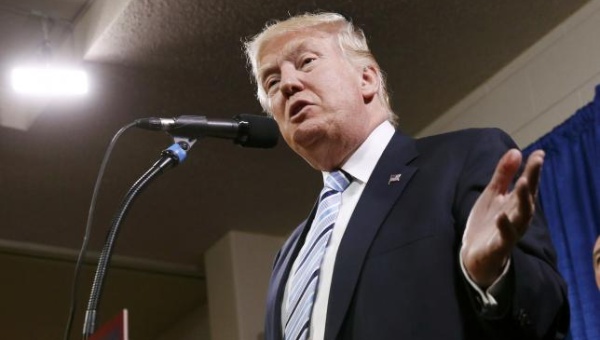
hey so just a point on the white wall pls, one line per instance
(539, 89)
(238, 268)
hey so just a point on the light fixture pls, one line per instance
(45, 79)
(49, 81)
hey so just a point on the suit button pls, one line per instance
(523, 318)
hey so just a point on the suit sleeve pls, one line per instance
(533, 302)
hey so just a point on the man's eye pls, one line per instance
(307, 60)
(269, 84)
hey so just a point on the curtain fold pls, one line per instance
(569, 193)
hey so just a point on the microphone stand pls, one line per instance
(170, 157)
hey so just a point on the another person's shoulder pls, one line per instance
(596, 260)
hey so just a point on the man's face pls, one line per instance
(315, 95)
(596, 258)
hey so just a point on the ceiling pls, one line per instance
(174, 57)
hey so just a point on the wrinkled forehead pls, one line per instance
(287, 42)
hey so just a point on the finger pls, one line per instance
(505, 170)
(524, 207)
(533, 170)
(508, 234)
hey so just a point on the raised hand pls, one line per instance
(500, 217)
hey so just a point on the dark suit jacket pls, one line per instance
(397, 273)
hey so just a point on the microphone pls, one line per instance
(247, 130)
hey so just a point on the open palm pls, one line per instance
(500, 217)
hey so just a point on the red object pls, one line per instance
(115, 329)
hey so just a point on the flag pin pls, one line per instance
(394, 178)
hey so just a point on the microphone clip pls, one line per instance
(179, 149)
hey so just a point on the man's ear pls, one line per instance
(369, 83)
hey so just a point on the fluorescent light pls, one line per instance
(49, 81)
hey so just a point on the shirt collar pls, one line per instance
(361, 163)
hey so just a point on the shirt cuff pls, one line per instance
(489, 296)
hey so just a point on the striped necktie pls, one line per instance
(304, 279)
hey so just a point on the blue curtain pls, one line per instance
(570, 196)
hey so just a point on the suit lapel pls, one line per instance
(382, 191)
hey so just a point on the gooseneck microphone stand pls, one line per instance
(170, 157)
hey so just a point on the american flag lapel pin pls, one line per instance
(394, 178)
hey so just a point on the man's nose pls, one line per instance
(291, 81)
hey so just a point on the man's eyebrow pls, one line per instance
(288, 52)
(265, 70)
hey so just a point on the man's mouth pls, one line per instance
(297, 107)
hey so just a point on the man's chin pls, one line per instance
(308, 136)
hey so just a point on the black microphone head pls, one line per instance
(259, 131)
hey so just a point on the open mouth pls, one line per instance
(297, 107)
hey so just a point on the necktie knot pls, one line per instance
(337, 180)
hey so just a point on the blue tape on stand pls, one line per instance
(178, 151)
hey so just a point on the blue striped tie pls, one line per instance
(304, 279)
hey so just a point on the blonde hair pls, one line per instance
(351, 40)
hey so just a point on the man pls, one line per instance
(417, 246)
